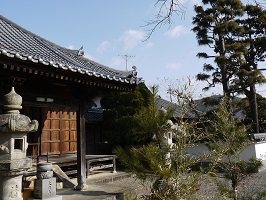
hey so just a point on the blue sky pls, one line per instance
(111, 30)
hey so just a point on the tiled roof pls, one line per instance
(94, 115)
(18, 43)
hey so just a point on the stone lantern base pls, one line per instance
(11, 187)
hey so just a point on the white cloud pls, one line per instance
(174, 66)
(149, 44)
(196, 2)
(103, 46)
(131, 38)
(185, 3)
(86, 55)
(71, 47)
(176, 32)
(118, 63)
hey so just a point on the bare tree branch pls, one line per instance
(164, 16)
(261, 3)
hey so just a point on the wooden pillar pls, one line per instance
(81, 147)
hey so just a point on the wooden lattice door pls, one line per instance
(59, 133)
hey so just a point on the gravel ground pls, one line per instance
(248, 188)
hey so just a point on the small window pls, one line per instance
(18, 144)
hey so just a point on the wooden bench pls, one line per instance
(96, 162)
(93, 162)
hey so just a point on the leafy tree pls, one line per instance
(121, 127)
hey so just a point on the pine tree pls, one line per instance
(236, 33)
(228, 141)
(169, 180)
(214, 26)
(254, 41)
(180, 178)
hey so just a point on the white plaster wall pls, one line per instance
(198, 149)
(97, 101)
(248, 152)
(261, 150)
(257, 150)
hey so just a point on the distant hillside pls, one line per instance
(201, 105)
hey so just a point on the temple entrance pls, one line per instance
(59, 132)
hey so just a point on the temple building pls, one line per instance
(57, 86)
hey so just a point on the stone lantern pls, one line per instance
(13, 145)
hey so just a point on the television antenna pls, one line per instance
(126, 58)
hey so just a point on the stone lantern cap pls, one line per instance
(12, 120)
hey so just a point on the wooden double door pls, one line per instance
(57, 132)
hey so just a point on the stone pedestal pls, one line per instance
(45, 189)
(10, 187)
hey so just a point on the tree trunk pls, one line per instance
(254, 108)
(222, 66)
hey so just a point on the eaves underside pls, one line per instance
(28, 69)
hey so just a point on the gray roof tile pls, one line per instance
(17, 42)
(94, 115)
